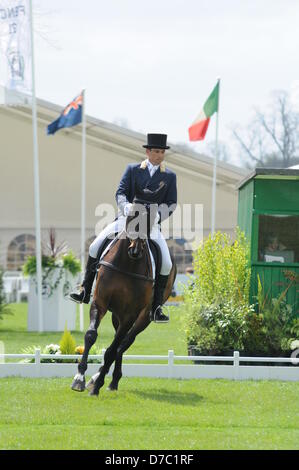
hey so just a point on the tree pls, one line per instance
(222, 153)
(272, 138)
(209, 150)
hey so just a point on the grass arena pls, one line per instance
(144, 413)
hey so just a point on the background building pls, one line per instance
(109, 149)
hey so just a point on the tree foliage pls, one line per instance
(272, 138)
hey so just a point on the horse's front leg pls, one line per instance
(90, 338)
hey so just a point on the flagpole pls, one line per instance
(215, 167)
(83, 201)
(36, 185)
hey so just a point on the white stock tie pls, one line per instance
(152, 168)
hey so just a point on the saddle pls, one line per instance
(153, 246)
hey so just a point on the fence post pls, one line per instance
(37, 362)
(170, 363)
(236, 364)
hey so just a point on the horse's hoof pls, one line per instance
(90, 385)
(78, 384)
(91, 382)
(111, 388)
(92, 393)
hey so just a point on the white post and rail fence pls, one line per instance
(261, 368)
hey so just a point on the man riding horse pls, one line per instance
(153, 182)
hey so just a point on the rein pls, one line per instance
(123, 271)
(135, 275)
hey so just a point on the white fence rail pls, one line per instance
(234, 370)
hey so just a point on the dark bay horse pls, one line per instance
(125, 287)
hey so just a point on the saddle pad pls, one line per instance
(107, 248)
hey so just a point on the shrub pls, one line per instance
(217, 303)
(219, 329)
(278, 327)
(255, 340)
(221, 270)
(71, 263)
(29, 268)
(67, 343)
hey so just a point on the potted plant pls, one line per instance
(59, 270)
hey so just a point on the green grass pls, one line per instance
(145, 413)
(149, 414)
(156, 339)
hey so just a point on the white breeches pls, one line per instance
(117, 226)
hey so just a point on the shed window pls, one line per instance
(278, 240)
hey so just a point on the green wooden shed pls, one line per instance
(268, 213)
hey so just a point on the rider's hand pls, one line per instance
(127, 208)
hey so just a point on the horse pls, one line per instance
(125, 287)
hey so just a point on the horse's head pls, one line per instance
(138, 227)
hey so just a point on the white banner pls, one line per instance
(15, 49)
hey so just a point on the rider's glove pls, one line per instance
(127, 208)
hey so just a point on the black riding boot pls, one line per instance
(157, 314)
(86, 286)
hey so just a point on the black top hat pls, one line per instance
(156, 141)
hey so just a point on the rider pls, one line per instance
(152, 181)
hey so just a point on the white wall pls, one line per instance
(60, 186)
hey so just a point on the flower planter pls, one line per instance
(58, 310)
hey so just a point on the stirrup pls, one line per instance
(78, 298)
(158, 316)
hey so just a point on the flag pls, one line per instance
(70, 116)
(15, 51)
(199, 127)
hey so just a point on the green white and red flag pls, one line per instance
(199, 127)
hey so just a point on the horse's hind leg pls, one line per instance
(128, 340)
(117, 373)
(98, 381)
(90, 338)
